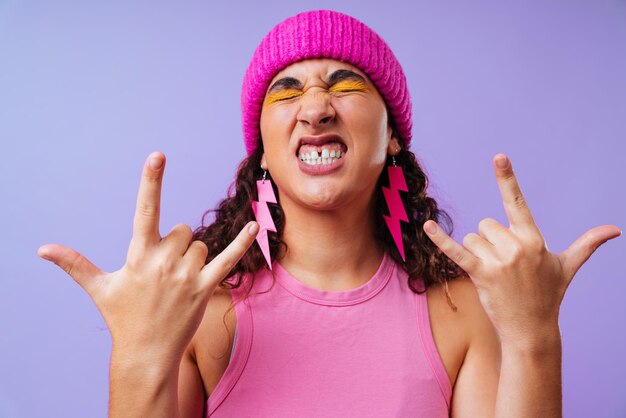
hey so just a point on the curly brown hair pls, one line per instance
(425, 264)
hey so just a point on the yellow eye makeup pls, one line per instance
(343, 86)
(349, 85)
(277, 96)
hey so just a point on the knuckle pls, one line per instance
(147, 209)
(537, 245)
(70, 266)
(151, 177)
(590, 245)
(469, 239)
(184, 231)
(239, 249)
(486, 223)
(516, 252)
(235, 250)
(132, 262)
(167, 265)
(458, 256)
(227, 261)
(518, 201)
(509, 175)
(182, 277)
(593, 241)
(183, 228)
(201, 247)
(135, 257)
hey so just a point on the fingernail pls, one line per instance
(430, 227)
(44, 254)
(502, 161)
(253, 229)
(156, 163)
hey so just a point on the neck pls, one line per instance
(330, 250)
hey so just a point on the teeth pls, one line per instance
(319, 160)
(324, 157)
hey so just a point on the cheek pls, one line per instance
(379, 122)
(367, 122)
(266, 125)
(275, 125)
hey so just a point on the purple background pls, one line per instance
(88, 89)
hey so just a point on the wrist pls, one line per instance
(538, 341)
(153, 364)
(140, 383)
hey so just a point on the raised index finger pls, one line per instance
(147, 211)
(514, 202)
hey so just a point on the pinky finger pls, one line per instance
(79, 268)
(456, 252)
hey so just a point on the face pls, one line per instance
(326, 134)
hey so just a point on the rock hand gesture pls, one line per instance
(521, 284)
(154, 304)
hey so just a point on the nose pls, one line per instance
(316, 109)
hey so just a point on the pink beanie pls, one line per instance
(324, 34)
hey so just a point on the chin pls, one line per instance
(324, 199)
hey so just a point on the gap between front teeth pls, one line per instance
(326, 157)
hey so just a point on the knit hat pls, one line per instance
(324, 34)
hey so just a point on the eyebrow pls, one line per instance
(335, 77)
(341, 75)
(286, 83)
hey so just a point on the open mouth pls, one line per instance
(321, 150)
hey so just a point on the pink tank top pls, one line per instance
(304, 352)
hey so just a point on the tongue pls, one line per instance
(331, 146)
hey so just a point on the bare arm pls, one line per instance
(141, 386)
(158, 391)
(476, 385)
(530, 382)
(190, 389)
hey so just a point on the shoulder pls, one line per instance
(457, 303)
(462, 294)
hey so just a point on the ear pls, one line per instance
(394, 145)
(263, 162)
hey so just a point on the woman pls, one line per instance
(354, 301)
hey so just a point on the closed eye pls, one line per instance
(282, 95)
(348, 86)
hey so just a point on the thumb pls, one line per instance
(223, 263)
(73, 263)
(576, 254)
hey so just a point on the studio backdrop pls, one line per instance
(89, 88)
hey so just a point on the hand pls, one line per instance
(154, 304)
(519, 282)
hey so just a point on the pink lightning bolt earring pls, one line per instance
(263, 216)
(397, 212)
